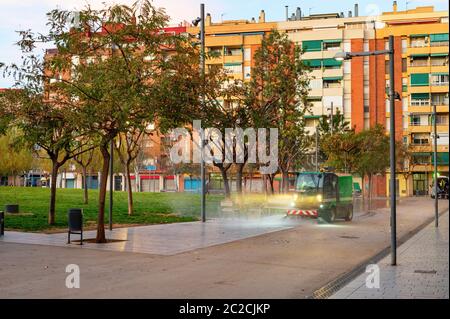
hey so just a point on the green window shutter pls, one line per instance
(418, 35)
(331, 62)
(439, 54)
(442, 158)
(313, 62)
(420, 96)
(420, 79)
(314, 45)
(232, 64)
(440, 73)
(419, 55)
(312, 116)
(439, 37)
(333, 41)
(333, 78)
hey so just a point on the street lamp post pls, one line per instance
(392, 97)
(201, 20)
(436, 207)
(111, 181)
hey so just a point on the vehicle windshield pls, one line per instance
(309, 182)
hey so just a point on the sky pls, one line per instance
(30, 14)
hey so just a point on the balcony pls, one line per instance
(234, 58)
(439, 44)
(420, 103)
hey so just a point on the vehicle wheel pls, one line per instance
(432, 196)
(349, 216)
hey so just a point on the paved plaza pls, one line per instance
(167, 239)
(422, 270)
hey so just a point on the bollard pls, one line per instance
(2, 223)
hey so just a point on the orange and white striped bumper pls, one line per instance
(309, 213)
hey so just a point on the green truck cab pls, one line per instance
(322, 194)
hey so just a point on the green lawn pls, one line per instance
(150, 208)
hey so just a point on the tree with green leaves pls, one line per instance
(342, 150)
(14, 160)
(279, 89)
(338, 123)
(373, 155)
(48, 127)
(109, 65)
(405, 163)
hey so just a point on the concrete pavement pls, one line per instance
(290, 263)
(422, 270)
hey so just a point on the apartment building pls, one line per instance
(358, 87)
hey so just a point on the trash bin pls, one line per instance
(2, 223)
(12, 208)
(75, 222)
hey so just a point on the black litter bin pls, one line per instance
(75, 221)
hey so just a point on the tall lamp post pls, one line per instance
(201, 20)
(340, 56)
(436, 207)
(111, 181)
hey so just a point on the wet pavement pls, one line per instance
(170, 239)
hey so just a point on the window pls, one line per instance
(332, 83)
(247, 54)
(438, 59)
(420, 99)
(415, 120)
(347, 67)
(330, 186)
(314, 64)
(215, 51)
(315, 45)
(404, 45)
(439, 79)
(233, 51)
(332, 45)
(404, 84)
(420, 79)
(232, 68)
(404, 65)
(419, 60)
(405, 104)
(420, 139)
(439, 40)
(247, 72)
(442, 119)
(439, 98)
(419, 40)
(331, 63)
(315, 83)
(421, 158)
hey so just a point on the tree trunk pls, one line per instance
(51, 211)
(85, 189)
(271, 188)
(101, 238)
(240, 168)
(129, 190)
(370, 191)
(226, 183)
(284, 182)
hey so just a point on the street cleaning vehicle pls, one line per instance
(322, 195)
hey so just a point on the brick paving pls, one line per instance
(422, 270)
